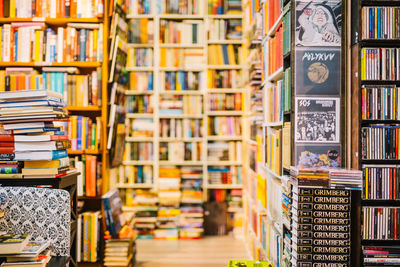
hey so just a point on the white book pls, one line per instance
(79, 237)
(60, 44)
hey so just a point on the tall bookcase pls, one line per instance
(162, 68)
(375, 105)
(92, 203)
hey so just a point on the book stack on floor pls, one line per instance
(32, 145)
(120, 252)
(146, 210)
(18, 250)
(169, 197)
(191, 222)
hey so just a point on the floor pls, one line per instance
(209, 251)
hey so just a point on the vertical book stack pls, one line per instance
(33, 140)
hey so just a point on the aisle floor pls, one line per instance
(209, 251)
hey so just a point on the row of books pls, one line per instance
(275, 102)
(84, 133)
(138, 7)
(381, 182)
(380, 103)
(89, 182)
(224, 126)
(273, 150)
(380, 64)
(227, 102)
(88, 236)
(141, 81)
(224, 79)
(287, 90)
(182, 7)
(380, 223)
(140, 104)
(78, 90)
(138, 175)
(272, 11)
(181, 151)
(178, 104)
(181, 128)
(275, 56)
(139, 57)
(224, 7)
(380, 142)
(225, 175)
(225, 29)
(224, 151)
(141, 127)
(33, 42)
(184, 32)
(139, 151)
(286, 24)
(141, 31)
(225, 54)
(52, 9)
(377, 22)
(181, 80)
(184, 58)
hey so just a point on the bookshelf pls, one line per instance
(368, 81)
(186, 128)
(29, 65)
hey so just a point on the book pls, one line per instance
(31, 250)
(224, 79)
(140, 104)
(40, 263)
(141, 81)
(141, 31)
(225, 54)
(225, 102)
(182, 7)
(184, 32)
(13, 243)
(139, 57)
(112, 209)
(229, 29)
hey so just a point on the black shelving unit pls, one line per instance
(68, 183)
(357, 122)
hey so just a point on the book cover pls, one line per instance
(318, 71)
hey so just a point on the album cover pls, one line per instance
(318, 71)
(317, 120)
(318, 23)
(308, 156)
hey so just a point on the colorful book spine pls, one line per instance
(225, 102)
(84, 133)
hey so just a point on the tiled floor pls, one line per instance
(209, 251)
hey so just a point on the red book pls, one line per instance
(1, 8)
(7, 144)
(6, 138)
(6, 150)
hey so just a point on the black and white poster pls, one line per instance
(318, 71)
(318, 23)
(317, 120)
(308, 156)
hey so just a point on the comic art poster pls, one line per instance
(318, 71)
(317, 120)
(318, 23)
(309, 156)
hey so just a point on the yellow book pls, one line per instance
(278, 153)
(93, 234)
(220, 55)
(2, 80)
(42, 164)
(129, 58)
(376, 21)
(362, 69)
(1, 28)
(79, 90)
(74, 128)
(13, 83)
(129, 197)
(33, 82)
(95, 36)
(37, 45)
(12, 8)
(210, 82)
(143, 30)
(231, 55)
(213, 56)
(86, 233)
(163, 57)
(366, 183)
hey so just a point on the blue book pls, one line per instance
(140, 179)
(82, 45)
(53, 82)
(8, 169)
(225, 54)
(79, 133)
(112, 208)
(60, 82)
(150, 81)
(40, 155)
(44, 77)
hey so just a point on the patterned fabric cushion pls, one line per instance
(44, 213)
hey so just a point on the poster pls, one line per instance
(317, 120)
(318, 71)
(309, 156)
(318, 23)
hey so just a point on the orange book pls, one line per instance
(73, 8)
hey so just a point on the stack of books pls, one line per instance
(167, 223)
(19, 251)
(32, 145)
(381, 256)
(120, 252)
(311, 176)
(191, 222)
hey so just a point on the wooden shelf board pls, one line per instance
(135, 45)
(188, 68)
(223, 163)
(225, 90)
(87, 108)
(225, 41)
(139, 115)
(183, 92)
(182, 116)
(181, 45)
(182, 139)
(139, 139)
(181, 163)
(83, 152)
(224, 138)
(133, 92)
(138, 162)
(140, 16)
(225, 16)
(225, 67)
(149, 69)
(53, 21)
(134, 185)
(181, 17)
(225, 113)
